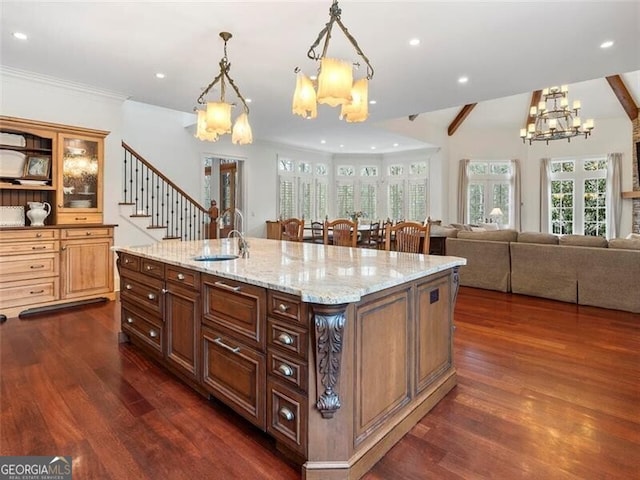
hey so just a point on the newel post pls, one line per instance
(214, 213)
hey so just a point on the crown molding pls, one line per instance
(58, 82)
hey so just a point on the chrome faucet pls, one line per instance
(237, 213)
(243, 246)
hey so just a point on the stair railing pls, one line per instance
(152, 194)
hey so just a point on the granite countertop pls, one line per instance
(317, 273)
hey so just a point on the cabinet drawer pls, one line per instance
(26, 292)
(288, 338)
(235, 374)
(78, 217)
(29, 247)
(145, 292)
(286, 307)
(235, 308)
(27, 235)
(152, 268)
(23, 267)
(291, 371)
(130, 262)
(143, 327)
(287, 416)
(86, 232)
(183, 276)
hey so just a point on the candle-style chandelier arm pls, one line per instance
(334, 12)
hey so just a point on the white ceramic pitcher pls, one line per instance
(37, 212)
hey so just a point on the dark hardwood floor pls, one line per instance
(546, 390)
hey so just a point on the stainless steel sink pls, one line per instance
(215, 257)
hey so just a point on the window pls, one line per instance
(578, 196)
(357, 190)
(407, 192)
(490, 186)
(302, 189)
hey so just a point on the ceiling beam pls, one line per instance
(464, 113)
(536, 95)
(624, 97)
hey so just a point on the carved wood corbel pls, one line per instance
(329, 322)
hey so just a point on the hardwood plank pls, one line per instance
(545, 390)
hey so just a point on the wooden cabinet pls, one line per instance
(234, 363)
(87, 262)
(58, 164)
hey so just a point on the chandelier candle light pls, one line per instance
(554, 120)
(215, 120)
(336, 86)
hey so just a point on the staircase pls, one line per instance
(156, 205)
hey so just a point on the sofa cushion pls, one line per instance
(583, 241)
(440, 231)
(494, 236)
(624, 244)
(633, 236)
(537, 237)
(461, 226)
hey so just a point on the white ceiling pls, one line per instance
(507, 49)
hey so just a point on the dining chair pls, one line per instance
(292, 229)
(372, 239)
(343, 232)
(411, 237)
(317, 234)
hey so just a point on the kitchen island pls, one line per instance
(335, 352)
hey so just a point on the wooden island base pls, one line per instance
(335, 384)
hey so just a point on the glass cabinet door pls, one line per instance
(81, 175)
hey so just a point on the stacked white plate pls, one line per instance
(80, 203)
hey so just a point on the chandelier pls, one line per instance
(335, 83)
(554, 120)
(215, 119)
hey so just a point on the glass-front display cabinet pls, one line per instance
(80, 177)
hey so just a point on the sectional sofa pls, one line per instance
(571, 268)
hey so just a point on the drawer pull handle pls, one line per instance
(38, 235)
(287, 414)
(128, 286)
(36, 292)
(180, 276)
(285, 339)
(126, 260)
(164, 290)
(151, 296)
(285, 370)
(149, 267)
(129, 320)
(227, 286)
(37, 266)
(38, 248)
(88, 233)
(81, 218)
(153, 333)
(218, 341)
(283, 308)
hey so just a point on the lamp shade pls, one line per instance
(201, 128)
(304, 98)
(242, 131)
(334, 82)
(496, 212)
(358, 109)
(219, 117)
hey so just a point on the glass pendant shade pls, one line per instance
(358, 109)
(242, 131)
(219, 117)
(334, 82)
(304, 98)
(201, 128)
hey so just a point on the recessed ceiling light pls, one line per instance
(607, 44)
(323, 141)
(414, 41)
(313, 77)
(396, 144)
(160, 75)
(373, 147)
(463, 79)
(20, 35)
(248, 100)
(372, 102)
(342, 145)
